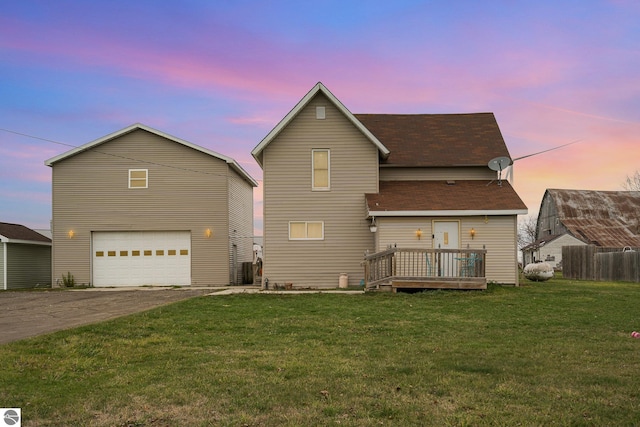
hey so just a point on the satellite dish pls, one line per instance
(498, 164)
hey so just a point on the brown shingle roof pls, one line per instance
(437, 140)
(443, 196)
(20, 232)
(604, 218)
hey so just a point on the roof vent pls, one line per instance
(320, 112)
(451, 182)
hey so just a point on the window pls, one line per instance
(306, 230)
(320, 176)
(138, 178)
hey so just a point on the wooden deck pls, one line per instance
(402, 268)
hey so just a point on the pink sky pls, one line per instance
(222, 75)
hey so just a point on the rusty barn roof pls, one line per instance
(604, 218)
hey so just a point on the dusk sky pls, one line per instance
(221, 74)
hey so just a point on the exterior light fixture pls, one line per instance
(472, 232)
(71, 233)
(373, 227)
(419, 233)
(208, 233)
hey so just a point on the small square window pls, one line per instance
(138, 178)
(124, 253)
(135, 253)
(100, 253)
(171, 252)
(159, 252)
(111, 253)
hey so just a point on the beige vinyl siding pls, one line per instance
(240, 224)
(437, 174)
(28, 266)
(497, 235)
(91, 193)
(288, 196)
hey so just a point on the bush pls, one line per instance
(68, 281)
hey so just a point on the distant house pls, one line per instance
(337, 185)
(549, 249)
(141, 207)
(609, 219)
(25, 258)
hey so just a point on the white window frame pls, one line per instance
(306, 223)
(313, 169)
(146, 178)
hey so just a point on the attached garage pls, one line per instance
(138, 258)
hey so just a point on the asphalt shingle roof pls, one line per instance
(20, 232)
(444, 196)
(437, 140)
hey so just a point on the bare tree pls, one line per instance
(527, 227)
(632, 183)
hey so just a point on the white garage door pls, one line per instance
(136, 258)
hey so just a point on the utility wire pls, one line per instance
(112, 154)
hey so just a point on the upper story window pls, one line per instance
(306, 230)
(320, 177)
(138, 178)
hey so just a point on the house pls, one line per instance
(141, 207)
(549, 249)
(338, 185)
(609, 219)
(25, 258)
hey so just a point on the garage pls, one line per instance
(138, 258)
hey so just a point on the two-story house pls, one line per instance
(141, 207)
(338, 185)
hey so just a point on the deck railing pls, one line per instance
(425, 266)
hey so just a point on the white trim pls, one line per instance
(4, 239)
(306, 223)
(4, 265)
(313, 169)
(234, 165)
(319, 87)
(449, 213)
(146, 178)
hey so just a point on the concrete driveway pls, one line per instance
(27, 314)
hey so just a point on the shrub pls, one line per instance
(68, 281)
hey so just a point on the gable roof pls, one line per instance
(437, 140)
(604, 218)
(318, 88)
(93, 144)
(444, 198)
(16, 233)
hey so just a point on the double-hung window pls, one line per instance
(138, 178)
(320, 177)
(306, 230)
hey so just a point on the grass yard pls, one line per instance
(555, 353)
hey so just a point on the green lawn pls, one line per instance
(554, 353)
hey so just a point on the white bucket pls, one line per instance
(343, 281)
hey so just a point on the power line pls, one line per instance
(112, 154)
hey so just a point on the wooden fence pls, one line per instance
(591, 262)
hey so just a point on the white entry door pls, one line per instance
(446, 235)
(136, 258)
